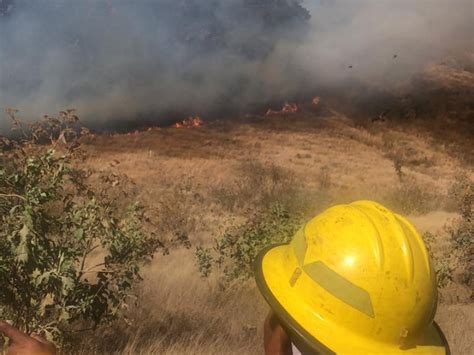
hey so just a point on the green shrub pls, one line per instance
(462, 230)
(411, 197)
(66, 259)
(256, 184)
(444, 272)
(460, 256)
(460, 195)
(235, 251)
(442, 265)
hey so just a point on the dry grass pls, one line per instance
(197, 182)
(255, 184)
(179, 312)
(411, 197)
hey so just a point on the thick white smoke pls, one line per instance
(385, 42)
(120, 60)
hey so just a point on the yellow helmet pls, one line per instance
(356, 279)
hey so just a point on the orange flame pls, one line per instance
(316, 101)
(195, 121)
(288, 108)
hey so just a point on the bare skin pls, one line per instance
(23, 344)
(276, 340)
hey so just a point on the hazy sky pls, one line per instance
(118, 59)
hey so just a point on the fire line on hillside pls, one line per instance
(192, 121)
(287, 108)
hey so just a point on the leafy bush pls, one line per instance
(459, 258)
(65, 257)
(460, 195)
(442, 265)
(235, 251)
(257, 184)
(411, 197)
(64, 129)
(177, 216)
(397, 165)
(444, 272)
(462, 230)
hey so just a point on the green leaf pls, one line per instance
(79, 233)
(47, 300)
(43, 278)
(22, 248)
(64, 315)
(68, 284)
(24, 231)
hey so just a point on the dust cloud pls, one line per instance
(119, 61)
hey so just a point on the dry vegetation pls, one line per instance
(197, 184)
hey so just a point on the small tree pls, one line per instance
(235, 251)
(65, 256)
(462, 229)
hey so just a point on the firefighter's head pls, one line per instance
(355, 279)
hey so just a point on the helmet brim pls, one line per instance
(322, 337)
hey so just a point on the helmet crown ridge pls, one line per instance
(374, 262)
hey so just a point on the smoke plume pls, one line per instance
(121, 61)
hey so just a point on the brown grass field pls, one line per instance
(197, 181)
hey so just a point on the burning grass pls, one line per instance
(193, 121)
(288, 108)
